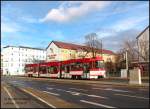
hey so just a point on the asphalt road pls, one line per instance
(87, 95)
(12, 97)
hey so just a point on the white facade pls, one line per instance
(15, 58)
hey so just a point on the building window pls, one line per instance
(11, 64)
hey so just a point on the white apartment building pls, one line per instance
(15, 58)
(143, 45)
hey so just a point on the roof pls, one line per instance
(31, 48)
(142, 32)
(23, 47)
(76, 47)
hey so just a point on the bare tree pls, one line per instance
(143, 50)
(134, 50)
(131, 47)
(93, 44)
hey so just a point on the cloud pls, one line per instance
(10, 27)
(120, 27)
(29, 19)
(72, 9)
(129, 23)
(114, 42)
(106, 32)
(123, 29)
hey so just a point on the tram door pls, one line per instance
(86, 71)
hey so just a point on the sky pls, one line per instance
(37, 23)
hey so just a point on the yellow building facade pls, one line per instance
(60, 51)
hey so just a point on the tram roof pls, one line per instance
(57, 63)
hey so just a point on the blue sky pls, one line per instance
(37, 23)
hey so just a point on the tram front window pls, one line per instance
(99, 64)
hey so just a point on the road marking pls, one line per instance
(51, 93)
(117, 90)
(51, 85)
(73, 93)
(132, 96)
(78, 89)
(61, 90)
(16, 105)
(97, 96)
(78, 93)
(50, 88)
(96, 104)
(39, 98)
(98, 88)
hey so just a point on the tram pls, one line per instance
(86, 68)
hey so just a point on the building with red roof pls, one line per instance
(59, 51)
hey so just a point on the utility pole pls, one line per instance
(101, 49)
(127, 61)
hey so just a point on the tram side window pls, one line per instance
(86, 68)
(90, 65)
(52, 70)
(63, 68)
(35, 69)
(99, 64)
(55, 70)
(27, 69)
(49, 69)
(76, 66)
(67, 69)
(30, 69)
(43, 69)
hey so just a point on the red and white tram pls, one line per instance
(86, 68)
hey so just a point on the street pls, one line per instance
(58, 94)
